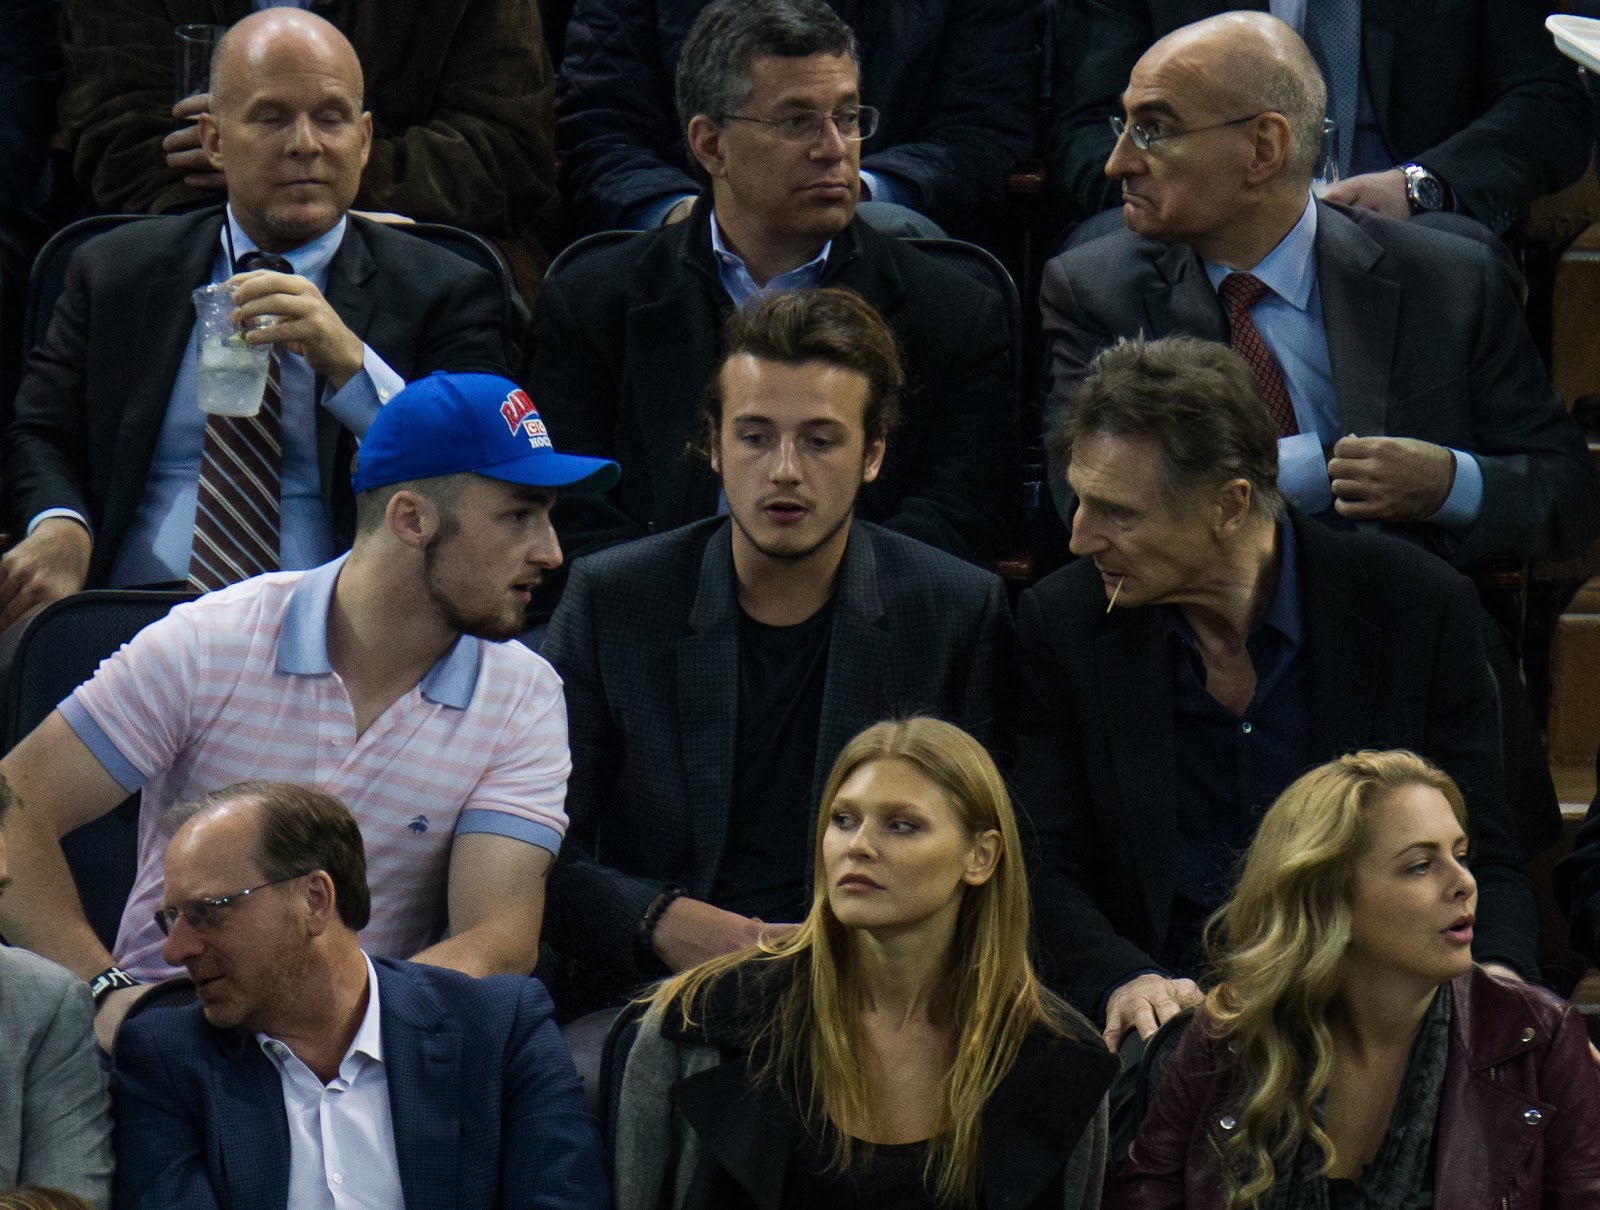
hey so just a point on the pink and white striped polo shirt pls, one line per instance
(237, 685)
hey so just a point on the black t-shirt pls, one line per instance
(781, 674)
(883, 1177)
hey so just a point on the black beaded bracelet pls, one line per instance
(645, 935)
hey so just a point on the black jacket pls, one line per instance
(956, 81)
(1472, 90)
(1395, 659)
(647, 643)
(1032, 1124)
(627, 338)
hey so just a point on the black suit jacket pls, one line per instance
(647, 642)
(1425, 339)
(1395, 659)
(93, 396)
(1472, 90)
(627, 338)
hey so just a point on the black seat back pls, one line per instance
(54, 653)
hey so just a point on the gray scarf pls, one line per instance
(1400, 1175)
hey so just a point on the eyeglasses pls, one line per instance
(1144, 138)
(204, 914)
(809, 125)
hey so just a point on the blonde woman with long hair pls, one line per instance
(897, 1050)
(1351, 1056)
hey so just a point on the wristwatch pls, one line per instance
(1424, 191)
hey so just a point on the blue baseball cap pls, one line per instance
(447, 423)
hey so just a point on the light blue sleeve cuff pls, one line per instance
(1461, 507)
(651, 214)
(60, 512)
(1303, 472)
(96, 740)
(356, 403)
(503, 823)
(884, 189)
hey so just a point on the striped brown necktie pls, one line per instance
(236, 519)
(1240, 292)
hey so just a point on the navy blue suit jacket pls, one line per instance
(487, 1107)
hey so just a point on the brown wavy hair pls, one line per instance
(1278, 947)
(810, 1045)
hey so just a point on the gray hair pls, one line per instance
(1197, 400)
(714, 64)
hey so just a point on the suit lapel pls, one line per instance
(1344, 648)
(1183, 300)
(1040, 1109)
(156, 338)
(708, 665)
(251, 1127)
(746, 1127)
(1360, 314)
(1377, 56)
(422, 1059)
(1136, 709)
(858, 657)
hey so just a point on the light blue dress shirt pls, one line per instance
(741, 287)
(159, 542)
(341, 1134)
(1289, 318)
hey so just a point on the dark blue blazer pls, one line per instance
(487, 1107)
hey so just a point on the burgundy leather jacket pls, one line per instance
(1519, 1116)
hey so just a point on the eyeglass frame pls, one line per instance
(780, 125)
(166, 917)
(1144, 140)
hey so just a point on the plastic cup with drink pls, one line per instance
(232, 374)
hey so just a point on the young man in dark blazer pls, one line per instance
(1207, 647)
(626, 336)
(105, 452)
(712, 674)
(308, 1068)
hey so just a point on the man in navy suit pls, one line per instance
(312, 1076)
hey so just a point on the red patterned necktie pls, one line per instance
(1240, 292)
(236, 518)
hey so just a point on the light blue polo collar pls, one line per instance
(303, 642)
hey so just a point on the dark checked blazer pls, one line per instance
(647, 640)
(487, 1107)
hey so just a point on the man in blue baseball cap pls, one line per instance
(378, 677)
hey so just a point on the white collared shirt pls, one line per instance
(341, 1135)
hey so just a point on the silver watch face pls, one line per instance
(1424, 189)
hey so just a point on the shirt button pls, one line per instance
(1532, 1116)
(337, 1179)
(333, 741)
(1246, 728)
(1527, 1034)
(1228, 1122)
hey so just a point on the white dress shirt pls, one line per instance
(341, 1135)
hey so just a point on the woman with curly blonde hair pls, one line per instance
(1351, 1056)
(896, 1051)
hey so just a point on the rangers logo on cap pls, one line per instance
(516, 406)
